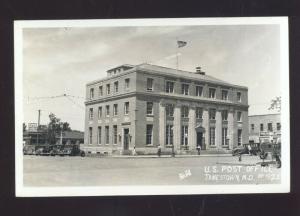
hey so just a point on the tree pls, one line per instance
(24, 127)
(55, 127)
(276, 104)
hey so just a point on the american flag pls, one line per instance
(181, 43)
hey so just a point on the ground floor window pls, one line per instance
(169, 135)
(90, 135)
(239, 137)
(107, 134)
(184, 135)
(224, 136)
(149, 134)
(99, 135)
(212, 136)
(115, 134)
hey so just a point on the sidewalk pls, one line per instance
(169, 156)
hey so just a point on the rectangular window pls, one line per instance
(115, 109)
(199, 90)
(91, 114)
(116, 87)
(107, 111)
(212, 136)
(224, 95)
(92, 93)
(184, 112)
(106, 134)
(252, 127)
(270, 127)
(170, 110)
(212, 93)
(199, 112)
(90, 135)
(185, 89)
(278, 126)
(261, 127)
(149, 108)
(212, 114)
(169, 87)
(169, 135)
(224, 115)
(100, 90)
(239, 96)
(239, 116)
(239, 137)
(224, 136)
(149, 133)
(126, 108)
(149, 84)
(127, 83)
(184, 135)
(115, 134)
(99, 112)
(99, 135)
(107, 89)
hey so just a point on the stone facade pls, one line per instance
(165, 107)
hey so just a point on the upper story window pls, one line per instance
(239, 116)
(185, 89)
(99, 112)
(270, 127)
(169, 87)
(199, 90)
(115, 109)
(149, 84)
(184, 111)
(91, 114)
(278, 126)
(199, 112)
(212, 114)
(224, 115)
(107, 89)
(107, 111)
(92, 93)
(224, 95)
(261, 127)
(100, 90)
(126, 108)
(170, 110)
(212, 93)
(252, 127)
(149, 108)
(127, 83)
(116, 86)
(239, 96)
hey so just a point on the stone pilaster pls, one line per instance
(206, 126)
(191, 130)
(177, 125)
(230, 129)
(218, 129)
(162, 124)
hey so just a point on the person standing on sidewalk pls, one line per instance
(199, 149)
(134, 151)
(158, 150)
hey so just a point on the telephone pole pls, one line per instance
(38, 126)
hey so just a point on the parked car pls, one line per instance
(71, 150)
(274, 149)
(239, 150)
(253, 148)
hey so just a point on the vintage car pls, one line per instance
(273, 149)
(239, 150)
(71, 150)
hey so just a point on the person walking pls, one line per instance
(158, 150)
(199, 149)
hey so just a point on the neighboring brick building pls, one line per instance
(264, 127)
(147, 105)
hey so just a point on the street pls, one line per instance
(109, 171)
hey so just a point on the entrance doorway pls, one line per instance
(126, 139)
(200, 131)
(199, 139)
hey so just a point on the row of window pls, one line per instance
(270, 127)
(169, 89)
(169, 135)
(108, 89)
(107, 111)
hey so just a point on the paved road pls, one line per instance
(92, 171)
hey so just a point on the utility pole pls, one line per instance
(38, 126)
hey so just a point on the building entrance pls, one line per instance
(126, 139)
(200, 139)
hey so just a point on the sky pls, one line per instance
(59, 61)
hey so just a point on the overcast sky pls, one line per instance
(63, 60)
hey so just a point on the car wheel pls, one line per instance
(82, 154)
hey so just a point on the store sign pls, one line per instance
(32, 127)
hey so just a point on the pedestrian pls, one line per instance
(134, 151)
(158, 150)
(198, 149)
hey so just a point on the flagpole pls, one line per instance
(176, 54)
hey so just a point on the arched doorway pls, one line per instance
(200, 138)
